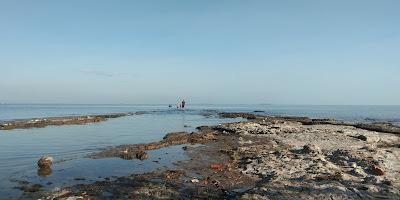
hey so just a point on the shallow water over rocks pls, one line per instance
(70, 145)
(20, 149)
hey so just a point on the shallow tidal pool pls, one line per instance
(70, 145)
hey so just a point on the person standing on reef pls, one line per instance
(183, 104)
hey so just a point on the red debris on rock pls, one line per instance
(377, 170)
(218, 167)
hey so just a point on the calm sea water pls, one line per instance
(20, 149)
(346, 113)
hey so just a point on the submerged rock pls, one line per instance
(45, 172)
(30, 188)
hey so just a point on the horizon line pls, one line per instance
(150, 104)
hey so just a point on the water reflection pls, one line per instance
(44, 172)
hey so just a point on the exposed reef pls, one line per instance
(384, 127)
(59, 121)
(263, 158)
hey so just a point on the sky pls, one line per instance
(342, 52)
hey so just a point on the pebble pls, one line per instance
(195, 180)
(354, 165)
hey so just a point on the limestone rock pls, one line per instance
(362, 137)
(377, 170)
(45, 162)
(311, 149)
(142, 155)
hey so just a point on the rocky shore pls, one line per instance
(58, 121)
(385, 127)
(262, 158)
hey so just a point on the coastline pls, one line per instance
(385, 127)
(262, 158)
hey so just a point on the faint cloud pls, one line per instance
(97, 73)
(94, 72)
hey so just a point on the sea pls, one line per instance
(70, 145)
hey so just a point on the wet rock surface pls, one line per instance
(383, 127)
(380, 127)
(264, 158)
(318, 161)
(138, 151)
(58, 121)
(45, 162)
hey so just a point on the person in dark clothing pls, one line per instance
(183, 104)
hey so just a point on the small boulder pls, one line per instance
(142, 155)
(377, 170)
(362, 137)
(311, 149)
(45, 162)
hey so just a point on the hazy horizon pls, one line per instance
(207, 52)
(194, 104)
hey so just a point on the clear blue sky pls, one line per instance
(282, 52)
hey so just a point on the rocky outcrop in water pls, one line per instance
(58, 121)
(138, 151)
(45, 162)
